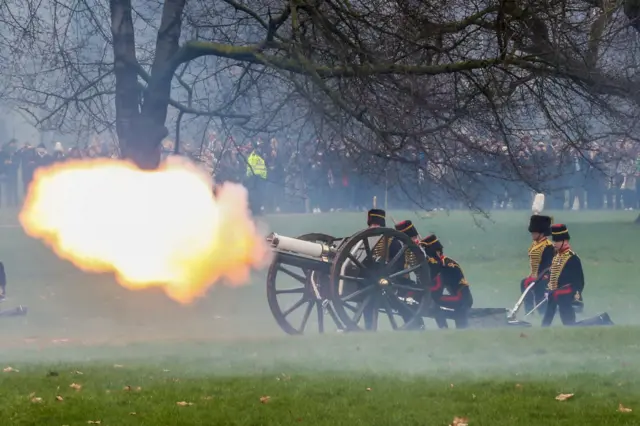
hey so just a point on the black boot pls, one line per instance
(598, 320)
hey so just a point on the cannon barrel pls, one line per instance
(297, 246)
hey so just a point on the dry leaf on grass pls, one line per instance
(79, 373)
(117, 366)
(368, 389)
(75, 386)
(10, 370)
(94, 422)
(165, 371)
(451, 385)
(264, 399)
(518, 386)
(564, 396)
(460, 421)
(36, 399)
(624, 409)
(133, 413)
(59, 398)
(184, 403)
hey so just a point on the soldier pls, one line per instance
(447, 274)
(410, 260)
(376, 218)
(566, 279)
(540, 256)
(407, 228)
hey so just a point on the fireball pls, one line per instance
(150, 228)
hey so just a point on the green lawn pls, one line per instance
(225, 352)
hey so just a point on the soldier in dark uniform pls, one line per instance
(566, 279)
(566, 284)
(410, 260)
(540, 255)
(447, 275)
(376, 218)
(385, 250)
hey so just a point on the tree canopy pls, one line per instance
(448, 78)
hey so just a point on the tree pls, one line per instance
(384, 78)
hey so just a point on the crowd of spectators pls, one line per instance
(284, 176)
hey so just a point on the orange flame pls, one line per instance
(151, 228)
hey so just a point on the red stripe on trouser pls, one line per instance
(455, 298)
(562, 292)
(438, 285)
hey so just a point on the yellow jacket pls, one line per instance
(256, 166)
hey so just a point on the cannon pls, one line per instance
(351, 281)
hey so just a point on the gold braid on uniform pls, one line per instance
(535, 255)
(379, 251)
(559, 260)
(410, 260)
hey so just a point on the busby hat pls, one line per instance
(559, 232)
(407, 228)
(541, 224)
(431, 244)
(376, 217)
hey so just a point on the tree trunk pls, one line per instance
(140, 117)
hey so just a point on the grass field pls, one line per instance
(141, 354)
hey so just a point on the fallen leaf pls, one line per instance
(460, 421)
(518, 386)
(264, 399)
(10, 370)
(165, 371)
(451, 385)
(79, 373)
(94, 422)
(117, 366)
(564, 396)
(184, 403)
(59, 398)
(75, 386)
(624, 409)
(368, 389)
(133, 413)
(36, 399)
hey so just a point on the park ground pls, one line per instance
(91, 351)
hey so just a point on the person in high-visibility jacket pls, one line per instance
(256, 180)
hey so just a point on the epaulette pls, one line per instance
(450, 263)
